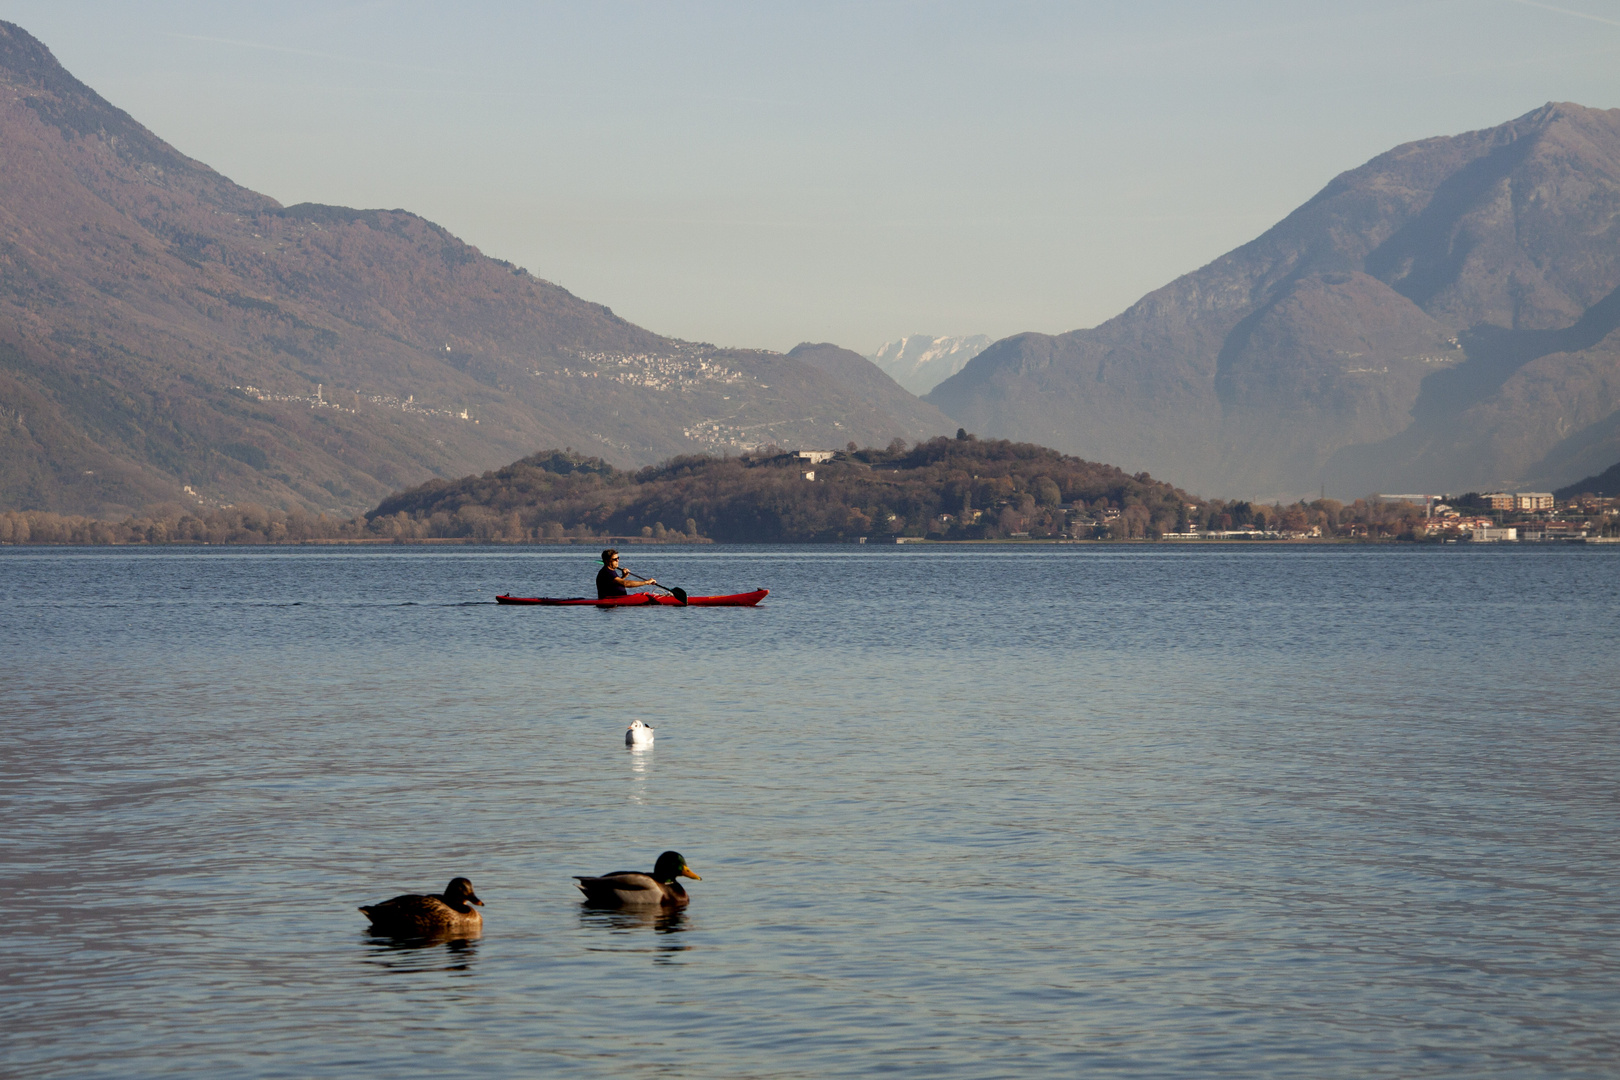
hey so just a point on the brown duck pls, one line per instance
(442, 913)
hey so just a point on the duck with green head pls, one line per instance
(441, 913)
(632, 888)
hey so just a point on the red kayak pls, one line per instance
(743, 599)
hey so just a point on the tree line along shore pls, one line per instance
(944, 489)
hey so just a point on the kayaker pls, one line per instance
(611, 581)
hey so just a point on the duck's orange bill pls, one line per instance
(686, 871)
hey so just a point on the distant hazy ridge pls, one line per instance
(162, 328)
(1442, 318)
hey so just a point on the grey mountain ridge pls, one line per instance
(853, 370)
(170, 337)
(1441, 318)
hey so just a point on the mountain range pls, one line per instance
(920, 362)
(1443, 318)
(169, 336)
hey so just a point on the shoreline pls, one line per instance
(904, 541)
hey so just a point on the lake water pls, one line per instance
(994, 811)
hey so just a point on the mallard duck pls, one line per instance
(631, 888)
(638, 734)
(446, 912)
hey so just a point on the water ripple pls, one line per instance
(1123, 810)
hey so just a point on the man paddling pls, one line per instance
(611, 581)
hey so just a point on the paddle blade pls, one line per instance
(679, 594)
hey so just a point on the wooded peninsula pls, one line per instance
(945, 489)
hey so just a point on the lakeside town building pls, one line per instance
(1519, 500)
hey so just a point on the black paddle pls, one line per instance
(678, 593)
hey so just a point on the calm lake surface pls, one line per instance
(978, 812)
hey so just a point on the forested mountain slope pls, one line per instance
(167, 335)
(1442, 318)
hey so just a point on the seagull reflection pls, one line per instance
(631, 920)
(440, 952)
(640, 759)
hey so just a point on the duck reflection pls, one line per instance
(664, 922)
(432, 952)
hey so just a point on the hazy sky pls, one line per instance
(761, 174)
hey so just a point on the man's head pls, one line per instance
(609, 557)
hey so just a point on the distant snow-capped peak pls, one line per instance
(920, 362)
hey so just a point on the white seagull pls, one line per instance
(638, 734)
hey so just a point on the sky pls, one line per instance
(761, 174)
